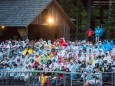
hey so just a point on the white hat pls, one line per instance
(105, 59)
(9, 42)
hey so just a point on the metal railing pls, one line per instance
(53, 78)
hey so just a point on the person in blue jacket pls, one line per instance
(98, 33)
(102, 33)
(107, 46)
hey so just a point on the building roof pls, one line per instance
(20, 12)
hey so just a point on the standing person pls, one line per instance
(98, 33)
(89, 34)
(102, 33)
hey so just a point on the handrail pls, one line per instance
(13, 71)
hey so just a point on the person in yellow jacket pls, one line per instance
(27, 51)
(50, 56)
(43, 79)
(30, 51)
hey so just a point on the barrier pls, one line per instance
(53, 78)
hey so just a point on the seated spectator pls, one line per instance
(94, 79)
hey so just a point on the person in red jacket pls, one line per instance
(63, 42)
(89, 34)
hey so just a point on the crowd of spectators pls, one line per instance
(79, 56)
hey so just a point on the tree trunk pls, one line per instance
(101, 14)
(89, 11)
(110, 9)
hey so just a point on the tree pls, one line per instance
(76, 11)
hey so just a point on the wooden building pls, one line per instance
(34, 19)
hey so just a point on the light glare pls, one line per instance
(2, 27)
(50, 21)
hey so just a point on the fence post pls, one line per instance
(95, 79)
(111, 78)
(114, 79)
(101, 78)
(6, 77)
(3, 78)
(29, 79)
(40, 79)
(84, 81)
(64, 79)
(56, 78)
(71, 79)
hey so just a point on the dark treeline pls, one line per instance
(100, 15)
